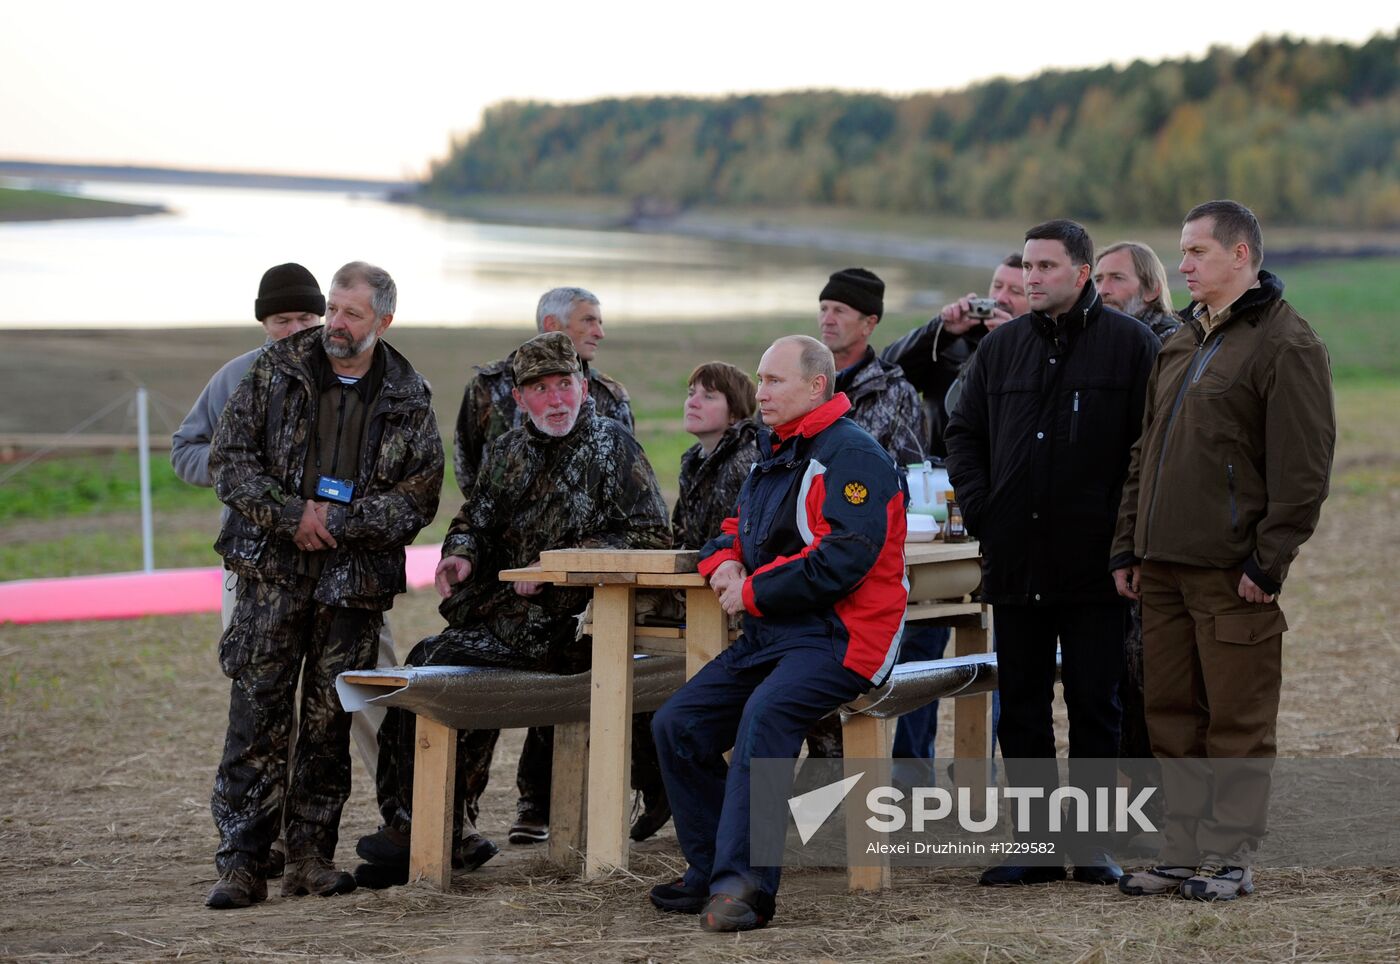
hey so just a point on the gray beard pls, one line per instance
(552, 432)
(338, 349)
(1135, 306)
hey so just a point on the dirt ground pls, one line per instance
(110, 734)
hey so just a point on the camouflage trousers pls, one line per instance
(278, 634)
(475, 748)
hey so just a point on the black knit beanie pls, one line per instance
(857, 287)
(288, 287)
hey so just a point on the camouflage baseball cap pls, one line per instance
(549, 354)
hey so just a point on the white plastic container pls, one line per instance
(920, 527)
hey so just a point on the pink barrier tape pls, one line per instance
(131, 595)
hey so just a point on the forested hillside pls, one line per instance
(1304, 132)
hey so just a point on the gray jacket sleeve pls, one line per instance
(189, 446)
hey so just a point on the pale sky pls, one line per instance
(379, 89)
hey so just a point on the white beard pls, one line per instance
(554, 431)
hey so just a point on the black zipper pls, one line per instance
(1074, 420)
(1234, 512)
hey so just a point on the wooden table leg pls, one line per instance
(434, 779)
(610, 730)
(865, 738)
(568, 794)
(971, 716)
(706, 629)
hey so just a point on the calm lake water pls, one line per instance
(200, 264)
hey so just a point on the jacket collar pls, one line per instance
(398, 377)
(1081, 315)
(848, 376)
(1269, 289)
(367, 387)
(816, 421)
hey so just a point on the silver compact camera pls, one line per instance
(982, 307)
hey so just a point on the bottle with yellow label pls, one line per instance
(953, 529)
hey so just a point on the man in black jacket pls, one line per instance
(1037, 452)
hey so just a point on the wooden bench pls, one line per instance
(448, 699)
(592, 774)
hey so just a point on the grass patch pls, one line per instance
(1351, 304)
(74, 485)
(23, 205)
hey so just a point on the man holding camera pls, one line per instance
(933, 355)
(328, 455)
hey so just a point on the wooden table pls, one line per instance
(615, 575)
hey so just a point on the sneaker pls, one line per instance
(656, 810)
(725, 912)
(1155, 881)
(1015, 875)
(236, 888)
(677, 898)
(315, 875)
(530, 827)
(1217, 880)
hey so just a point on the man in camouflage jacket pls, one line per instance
(489, 411)
(315, 572)
(568, 478)
(488, 408)
(882, 400)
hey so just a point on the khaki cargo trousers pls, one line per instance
(1212, 669)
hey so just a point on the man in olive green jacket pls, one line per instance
(1226, 482)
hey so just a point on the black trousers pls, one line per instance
(1090, 638)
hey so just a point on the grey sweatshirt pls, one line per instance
(189, 447)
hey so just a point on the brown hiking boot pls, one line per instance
(315, 875)
(236, 888)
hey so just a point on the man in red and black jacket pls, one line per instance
(814, 561)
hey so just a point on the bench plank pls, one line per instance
(568, 795)
(434, 778)
(374, 679)
(865, 738)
